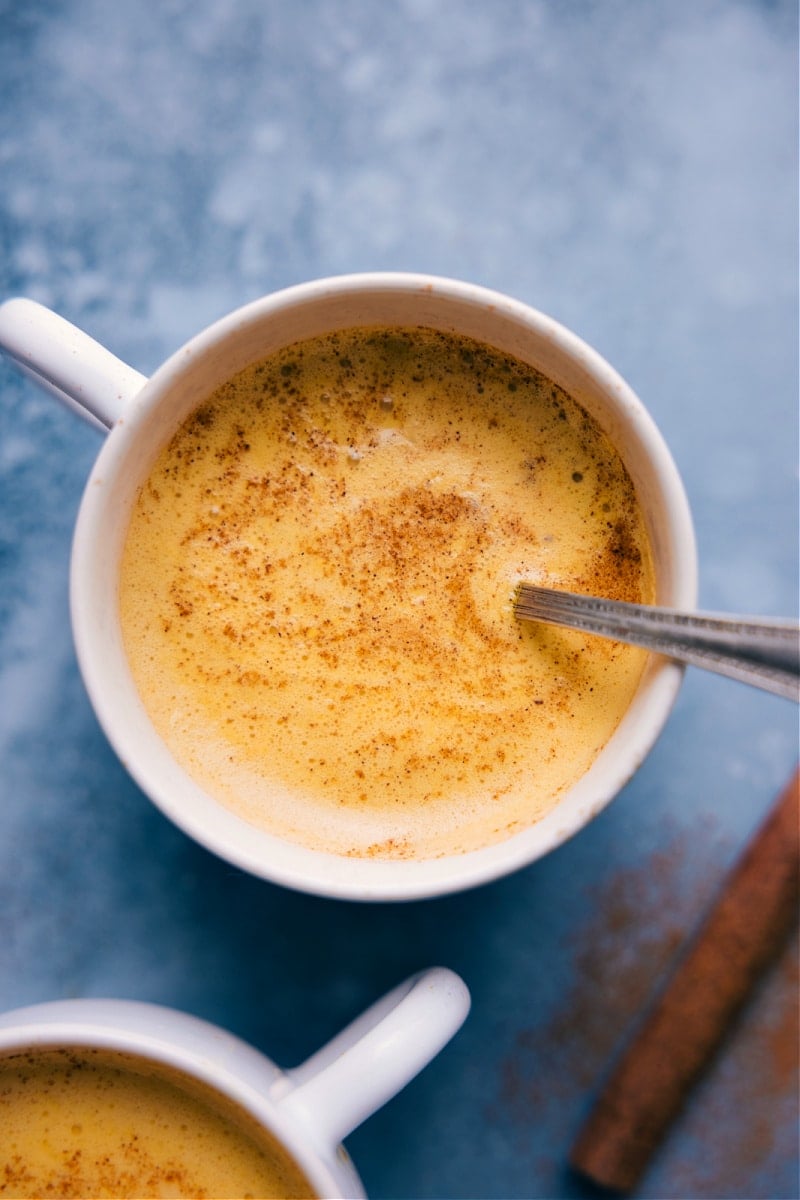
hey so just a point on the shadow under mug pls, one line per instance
(142, 414)
(309, 1109)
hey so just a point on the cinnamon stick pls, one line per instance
(746, 928)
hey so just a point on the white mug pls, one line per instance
(309, 1109)
(142, 414)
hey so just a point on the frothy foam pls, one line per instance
(316, 593)
(82, 1122)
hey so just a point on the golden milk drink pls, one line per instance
(317, 589)
(84, 1123)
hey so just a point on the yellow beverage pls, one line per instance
(87, 1123)
(317, 583)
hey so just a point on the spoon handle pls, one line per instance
(761, 651)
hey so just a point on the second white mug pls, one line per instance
(304, 1113)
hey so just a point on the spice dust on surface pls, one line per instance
(640, 921)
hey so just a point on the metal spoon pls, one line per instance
(761, 651)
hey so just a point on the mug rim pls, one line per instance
(291, 864)
(173, 1040)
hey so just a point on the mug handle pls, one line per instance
(66, 362)
(375, 1056)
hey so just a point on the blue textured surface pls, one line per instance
(630, 168)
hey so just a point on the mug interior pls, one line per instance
(249, 335)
